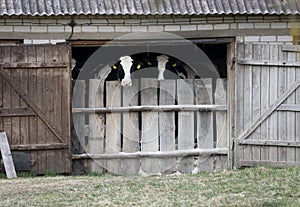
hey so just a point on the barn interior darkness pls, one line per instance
(216, 52)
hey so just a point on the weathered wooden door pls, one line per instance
(35, 106)
(267, 105)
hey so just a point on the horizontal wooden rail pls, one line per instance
(162, 108)
(164, 154)
(269, 63)
(34, 65)
(250, 163)
(49, 146)
(16, 112)
(277, 143)
(289, 107)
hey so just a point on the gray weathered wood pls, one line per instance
(16, 112)
(158, 154)
(43, 85)
(6, 156)
(26, 98)
(131, 132)
(265, 142)
(249, 163)
(31, 147)
(273, 94)
(150, 136)
(239, 97)
(291, 115)
(282, 116)
(205, 128)
(265, 93)
(289, 107)
(248, 96)
(167, 124)
(186, 135)
(291, 48)
(269, 63)
(270, 110)
(96, 123)
(33, 65)
(78, 137)
(221, 117)
(113, 126)
(256, 97)
(162, 108)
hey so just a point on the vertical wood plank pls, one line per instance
(63, 55)
(48, 98)
(239, 97)
(131, 132)
(274, 51)
(78, 135)
(16, 55)
(282, 115)
(247, 149)
(113, 125)
(221, 162)
(97, 125)
(41, 133)
(231, 102)
(167, 124)
(265, 95)
(2, 57)
(149, 140)
(221, 116)
(291, 116)
(7, 97)
(186, 135)
(256, 96)
(297, 123)
(33, 120)
(6, 156)
(205, 124)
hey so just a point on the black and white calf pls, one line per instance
(128, 64)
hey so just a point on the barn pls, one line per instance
(238, 107)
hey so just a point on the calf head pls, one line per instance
(161, 65)
(126, 63)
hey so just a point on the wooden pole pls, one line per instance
(7, 157)
(160, 108)
(158, 154)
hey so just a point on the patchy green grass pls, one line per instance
(261, 186)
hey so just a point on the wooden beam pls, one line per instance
(250, 163)
(159, 154)
(269, 63)
(289, 107)
(34, 65)
(270, 143)
(161, 108)
(50, 146)
(248, 131)
(4, 112)
(291, 48)
(6, 156)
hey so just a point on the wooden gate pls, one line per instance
(152, 126)
(35, 106)
(267, 105)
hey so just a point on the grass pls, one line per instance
(261, 186)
